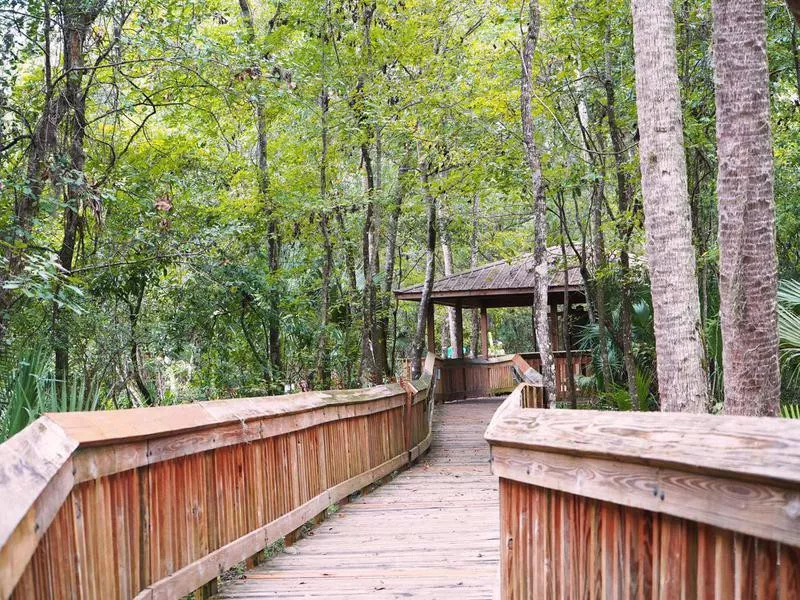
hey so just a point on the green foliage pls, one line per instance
(789, 328)
(172, 290)
(790, 411)
(31, 391)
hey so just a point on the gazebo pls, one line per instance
(502, 284)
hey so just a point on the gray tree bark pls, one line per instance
(447, 264)
(682, 377)
(748, 261)
(474, 347)
(541, 256)
(418, 344)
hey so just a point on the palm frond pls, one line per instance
(790, 411)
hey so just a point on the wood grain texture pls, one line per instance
(159, 508)
(603, 550)
(464, 378)
(35, 479)
(645, 506)
(748, 448)
(431, 532)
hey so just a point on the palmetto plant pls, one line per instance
(31, 390)
(790, 411)
(789, 327)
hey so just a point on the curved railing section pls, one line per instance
(646, 505)
(463, 378)
(156, 502)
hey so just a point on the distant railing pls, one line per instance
(156, 502)
(464, 378)
(646, 505)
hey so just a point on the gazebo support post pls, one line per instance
(431, 329)
(554, 337)
(459, 341)
(484, 332)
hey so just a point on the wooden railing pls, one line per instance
(463, 378)
(156, 502)
(646, 505)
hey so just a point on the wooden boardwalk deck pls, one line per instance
(431, 533)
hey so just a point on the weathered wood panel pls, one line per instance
(559, 545)
(479, 378)
(646, 505)
(429, 533)
(152, 512)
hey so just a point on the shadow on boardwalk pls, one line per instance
(432, 532)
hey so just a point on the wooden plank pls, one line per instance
(35, 480)
(751, 508)
(484, 332)
(117, 426)
(745, 448)
(195, 574)
(431, 532)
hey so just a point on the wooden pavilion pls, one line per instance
(503, 284)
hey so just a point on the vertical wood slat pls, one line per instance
(559, 545)
(119, 533)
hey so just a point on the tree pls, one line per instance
(430, 268)
(748, 263)
(682, 380)
(541, 277)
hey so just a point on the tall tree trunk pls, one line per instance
(624, 229)
(400, 190)
(679, 348)
(748, 263)
(42, 143)
(75, 31)
(599, 259)
(418, 343)
(273, 241)
(369, 367)
(475, 342)
(794, 8)
(541, 256)
(447, 264)
(323, 368)
(565, 321)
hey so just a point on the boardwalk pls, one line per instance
(430, 533)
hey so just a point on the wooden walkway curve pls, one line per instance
(432, 532)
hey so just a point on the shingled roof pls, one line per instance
(500, 283)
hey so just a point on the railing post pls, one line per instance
(408, 423)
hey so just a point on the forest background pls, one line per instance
(215, 199)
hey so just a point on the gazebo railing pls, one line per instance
(464, 378)
(646, 505)
(155, 502)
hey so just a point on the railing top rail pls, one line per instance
(755, 448)
(40, 465)
(102, 427)
(738, 473)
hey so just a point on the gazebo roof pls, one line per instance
(503, 283)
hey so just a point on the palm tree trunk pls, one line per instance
(748, 263)
(676, 306)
